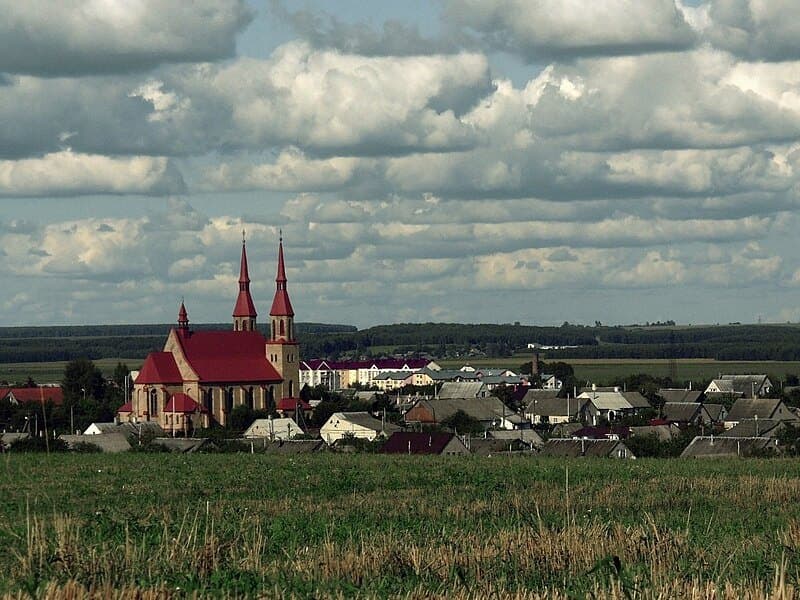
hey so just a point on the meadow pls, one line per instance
(372, 526)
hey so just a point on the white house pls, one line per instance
(274, 429)
(357, 424)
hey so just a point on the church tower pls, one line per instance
(282, 348)
(244, 312)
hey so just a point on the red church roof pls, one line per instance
(183, 403)
(228, 356)
(159, 367)
(24, 395)
(125, 408)
(244, 303)
(281, 305)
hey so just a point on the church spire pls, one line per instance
(244, 312)
(183, 318)
(281, 305)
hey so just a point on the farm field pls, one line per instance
(332, 525)
(53, 372)
(605, 370)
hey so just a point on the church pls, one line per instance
(200, 376)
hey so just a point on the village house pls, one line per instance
(200, 376)
(273, 429)
(686, 413)
(38, 394)
(740, 386)
(462, 389)
(680, 395)
(355, 424)
(758, 408)
(490, 412)
(544, 406)
(725, 447)
(611, 405)
(577, 448)
(435, 442)
(336, 375)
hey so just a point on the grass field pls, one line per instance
(53, 372)
(605, 370)
(373, 526)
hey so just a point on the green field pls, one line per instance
(53, 372)
(606, 370)
(332, 525)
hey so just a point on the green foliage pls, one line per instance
(86, 448)
(242, 417)
(39, 444)
(463, 423)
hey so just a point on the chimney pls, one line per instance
(535, 364)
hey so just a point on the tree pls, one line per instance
(463, 423)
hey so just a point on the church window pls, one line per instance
(282, 329)
(273, 329)
(244, 326)
(270, 397)
(291, 388)
(229, 399)
(208, 400)
(153, 402)
(249, 398)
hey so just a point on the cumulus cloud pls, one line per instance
(394, 38)
(318, 100)
(553, 29)
(755, 29)
(69, 174)
(80, 37)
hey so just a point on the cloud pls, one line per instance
(394, 38)
(323, 102)
(86, 37)
(754, 29)
(557, 30)
(69, 174)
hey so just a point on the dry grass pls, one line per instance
(371, 527)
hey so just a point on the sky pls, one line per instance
(475, 161)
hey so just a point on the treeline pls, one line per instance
(440, 336)
(46, 344)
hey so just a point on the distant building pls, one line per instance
(356, 424)
(720, 447)
(439, 443)
(38, 394)
(740, 386)
(758, 408)
(273, 429)
(612, 404)
(489, 411)
(578, 448)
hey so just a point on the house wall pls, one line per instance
(336, 428)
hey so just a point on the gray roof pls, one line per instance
(664, 433)
(615, 400)
(107, 442)
(293, 447)
(565, 430)
(750, 408)
(554, 407)
(283, 428)
(128, 428)
(485, 409)
(9, 437)
(529, 436)
(741, 384)
(364, 419)
(679, 395)
(181, 444)
(714, 446)
(489, 446)
(755, 428)
(583, 447)
(715, 411)
(682, 412)
(461, 389)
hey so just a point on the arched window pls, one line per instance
(291, 389)
(208, 400)
(244, 326)
(273, 329)
(229, 399)
(249, 398)
(282, 329)
(270, 397)
(153, 402)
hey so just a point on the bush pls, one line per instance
(86, 447)
(39, 444)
